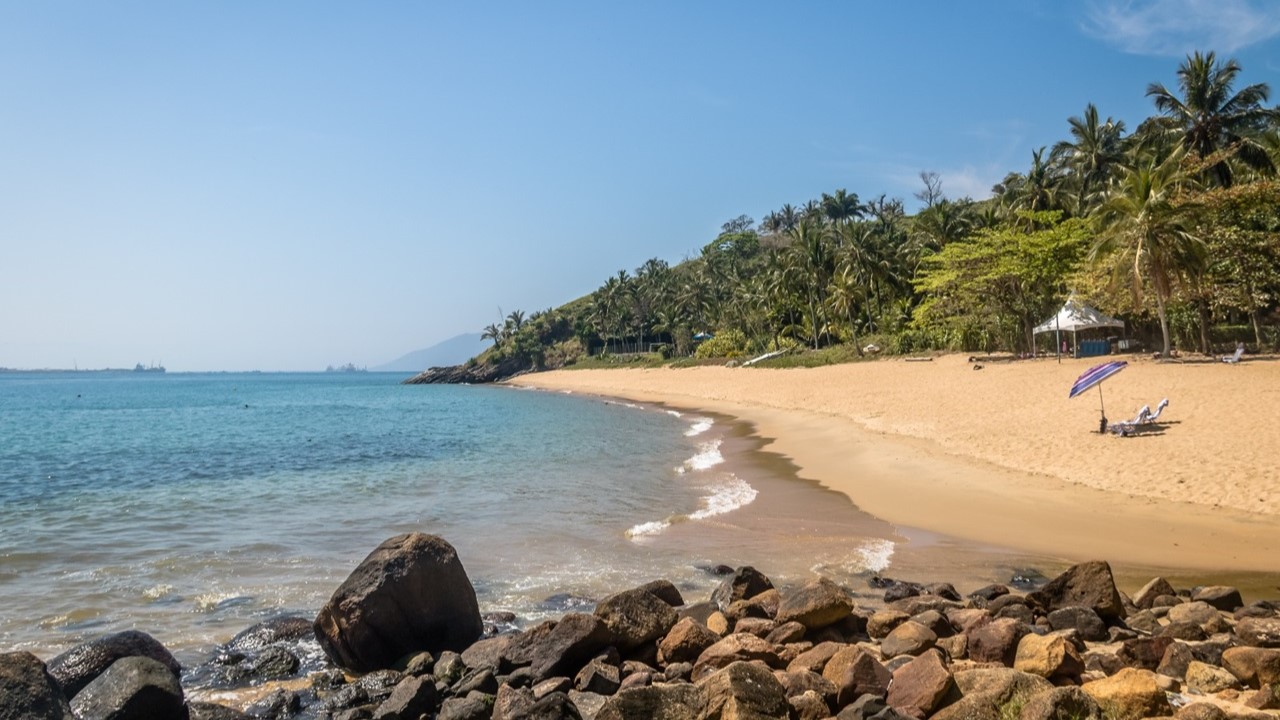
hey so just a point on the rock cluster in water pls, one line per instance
(403, 639)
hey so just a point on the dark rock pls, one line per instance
(865, 707)
(552, 685)
(213, 711)
(699, 611)
(1146, 597)
(996, 641)
(1027, 579)
(1088, 584)
(1183, 631)
(481, 680)
(943, 590)
(1201, 711)
(815, 658)
(636, 617)
(510, 702)
(286, 628)
(28, 691)
(920, 687)
(1081, 619)
(278, 705)
(598, 677)
(1267, 698)
(656, 702)
(1259, 632)
(568, 602)
(1221, 597)
(1144, 653)
(901, 591)
(803, 681)
(274, 663)
(743, 690)
(856, 673)
(1017, 611)
(413, 696)
(379, 684)
(555, 706)
(478, 374)
(132, 687)
(936, 622)
(760, 627)
(1060, 703)
(988, 593)
(1005, 601)
(498, 622)
(476, 706)
(1175, 660)
(409, 594)
(789, 632)
(678, 671)
(664, 591)
(77, 667)
(817, 604)
(640, 679)
(567, 646)
(745, 583)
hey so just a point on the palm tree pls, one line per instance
(492, 332)
(1095, 150)
(840, 207)
(847, 291)
(1214, 123)
(1039, 191)
(516, 320)
(1142, 232)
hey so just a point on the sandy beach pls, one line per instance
(999, 455)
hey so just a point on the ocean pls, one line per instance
(191, 506)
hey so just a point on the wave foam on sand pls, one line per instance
(725, 497)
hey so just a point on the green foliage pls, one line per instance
(728, 344)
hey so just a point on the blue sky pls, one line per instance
(286, 185)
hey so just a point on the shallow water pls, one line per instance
(193, 505)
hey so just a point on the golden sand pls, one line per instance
(999, 455)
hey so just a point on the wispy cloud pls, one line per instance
(1177, 27)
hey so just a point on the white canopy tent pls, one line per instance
(1076, 316)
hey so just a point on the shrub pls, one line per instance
(728, 344)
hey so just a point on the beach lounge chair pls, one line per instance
(1125, 428)
(1233, 359)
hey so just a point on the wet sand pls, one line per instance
(998, 459)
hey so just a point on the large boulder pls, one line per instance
(411, 698)
(743, 690)
(1129, 695)
(410, 594)
(909, 638)
(1081, 619)
(1259, 632)
(133, 688)
(1049, 656)
(1088, 584)
(564, 648)
(816, 605)
(636, 617)
(1222, 597)
(286, 628)
(1061, 702)
(77, 667)
(1206, 679)
(854, 672)
(996, 641)
(685, 642)
(28, 691)
(1253, 666)
(921, 686)
(739, 646)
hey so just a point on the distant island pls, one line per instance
(140, 368)
(349, 367)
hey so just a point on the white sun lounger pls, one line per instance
(1233, 359)
(1144, 417)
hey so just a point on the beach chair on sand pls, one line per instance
(1144, 417)
(1233, 359)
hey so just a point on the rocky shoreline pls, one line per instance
(403, 638)
(469, 374)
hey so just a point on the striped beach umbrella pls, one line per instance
(1094, 376)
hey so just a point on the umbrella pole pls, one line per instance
(1102, 426)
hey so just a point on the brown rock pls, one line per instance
(664, 591)
(1267, 698)
(790, 632)
(1200, 711)
(734, 648)
(798, 683)
(1145, 597)
(1048, 656)
(410, 594)
(808, 705)
(855, 672)
(1200, 613)
(816, 605)
(1129, 695)
(956, 647)
(816, 658)
(921, 686)
(569, 644)
(996, 641)
(909, 638)
(1176, 660)
(1060, 703)
(1088, 584)
(1000, 682)
(965, 619)
(1253, 666)
(760, 627)
(686, 641)
(655, 702)
(882, 622)
(718, 623)
(1081, 619)
(1259, 632)
(1207, 679)
(743, 691)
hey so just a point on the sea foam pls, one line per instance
(708, 457)
(725, 498)
(699, 426)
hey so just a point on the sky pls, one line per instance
(294, 184)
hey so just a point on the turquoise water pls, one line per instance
(191, 505)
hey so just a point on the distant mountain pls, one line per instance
(454, 351)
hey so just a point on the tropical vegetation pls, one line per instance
(1175, 227)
